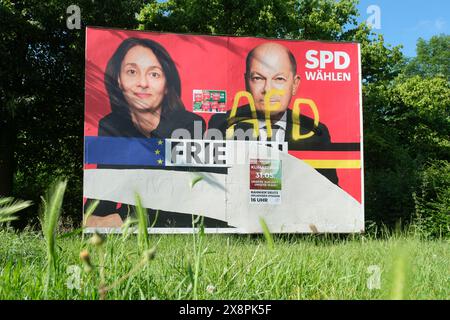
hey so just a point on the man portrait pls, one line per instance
(271, 68)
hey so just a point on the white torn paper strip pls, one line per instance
(311, 203)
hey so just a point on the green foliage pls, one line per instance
(390, 179)
(96, 268)
(379, 62)
(198, 251)
(323, 19)
(9, 206)
(142, 217)
(89, 211)
(50, 213)
(304, 19)
(429, 98)
(267, 234)
(240, 268)
(406, 124)
(433, 200)
(267, 17)
(420, 110)
(433, 58)
(42, 93)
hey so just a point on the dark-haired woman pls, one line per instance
(144, 89)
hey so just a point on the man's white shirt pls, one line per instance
(278, 133)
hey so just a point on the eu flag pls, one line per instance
(124, 151)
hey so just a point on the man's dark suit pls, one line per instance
(319, 141)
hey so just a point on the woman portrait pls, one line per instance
(144, 89)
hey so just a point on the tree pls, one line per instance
(42, 93)
(433, 58)
(16, 85)
(266, 17)
(407, 129)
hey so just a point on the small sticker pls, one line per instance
(265, 181)
(209, 101)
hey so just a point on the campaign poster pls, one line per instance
(224, 131)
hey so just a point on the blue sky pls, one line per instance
(404, 21)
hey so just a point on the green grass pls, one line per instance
(227, 267)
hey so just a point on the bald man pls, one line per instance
(273, 66)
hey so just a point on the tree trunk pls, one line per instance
(8, 138)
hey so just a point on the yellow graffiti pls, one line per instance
(253, 121)
(296, 134)
(268, 108)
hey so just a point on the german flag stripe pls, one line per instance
(326, 155)
(330, 159)
(334, 164)
(330, 147)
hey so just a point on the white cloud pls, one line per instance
(438, 24)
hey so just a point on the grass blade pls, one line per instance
(195, 180)
(8, 207)
(142, 224)
(267, 234)
(51, 211)
(89, 211)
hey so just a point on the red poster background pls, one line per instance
(218, 63)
